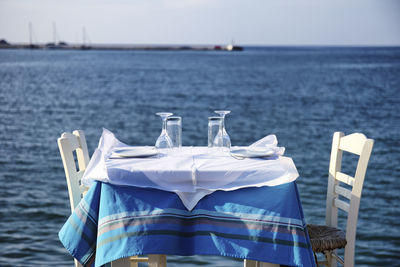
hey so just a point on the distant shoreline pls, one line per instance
(65, 46)
(151, 47)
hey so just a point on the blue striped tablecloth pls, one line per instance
(263, 223)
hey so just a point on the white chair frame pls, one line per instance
(68, 143)
(357, 144)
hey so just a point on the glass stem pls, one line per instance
(221, 130)
(164, 125)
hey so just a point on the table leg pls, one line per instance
(267, 264)
(251, 263)
(157, 260)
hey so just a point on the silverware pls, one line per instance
(236, 157)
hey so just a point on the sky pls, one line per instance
(202, 22)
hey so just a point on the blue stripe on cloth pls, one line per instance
(201, 213)
(264, 224)
(79, 233)
(189, 223)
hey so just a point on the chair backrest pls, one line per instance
(357, 144)
(69, 143)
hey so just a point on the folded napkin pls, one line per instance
(190, 172)
(269, 142)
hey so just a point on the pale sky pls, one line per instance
(248, 22)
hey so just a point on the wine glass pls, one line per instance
(164, 141)
(222, 139)
(214, 124)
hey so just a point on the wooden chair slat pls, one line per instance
(341, 204)
(344, 178)
(343, 191)
(83, 188)
(353, 143)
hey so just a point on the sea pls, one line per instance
(301, 94)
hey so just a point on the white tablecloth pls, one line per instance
(191, 172)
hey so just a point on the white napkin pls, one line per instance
(96, 169)
(269, 142)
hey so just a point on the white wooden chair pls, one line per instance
(327, 238)
(69, 143)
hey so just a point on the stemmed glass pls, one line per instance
(222, 139)
(164, 141)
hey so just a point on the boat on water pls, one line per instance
(232, 47)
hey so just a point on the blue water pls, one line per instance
(302, 95)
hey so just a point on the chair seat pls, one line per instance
(324, 237)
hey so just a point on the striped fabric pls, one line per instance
(264, 224)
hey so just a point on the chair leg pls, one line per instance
(316, 259)
(268, 264)
(250, 263)
(330, 261)
(77, 263)
(322, 261)
(125, 262)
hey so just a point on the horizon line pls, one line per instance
(200, 45)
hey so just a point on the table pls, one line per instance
(190, 172)
(257, 223)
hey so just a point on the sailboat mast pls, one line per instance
(30, 33)
(84, 36)
(54, 33)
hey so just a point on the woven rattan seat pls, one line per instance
(325, 238)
